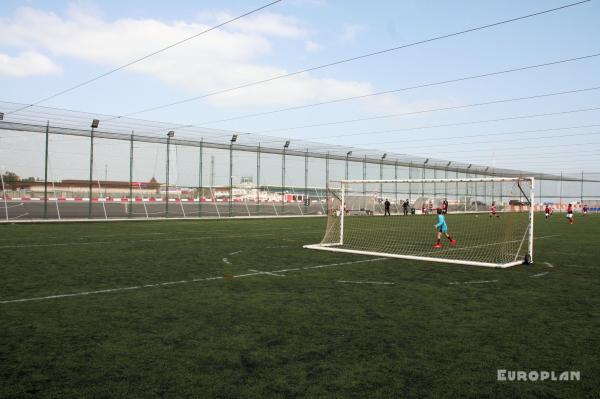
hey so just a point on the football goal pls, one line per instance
(471, 221)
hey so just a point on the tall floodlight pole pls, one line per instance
(131, 174)
(169, 136)
(94, 125)
(230, 201)
(285, 147)
(381, 174)
(347, 156)
(46, 172)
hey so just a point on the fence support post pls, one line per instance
(131, 175)
(200, 188)
(396, 185)
(581, 202)
(167, 173)
(560, 194)
(258, 180)
(283, 181)
(364, 175)
(305, 196)
(230, 201)
(327, 180)
(91, 173)
(46, 172)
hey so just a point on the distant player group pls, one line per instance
(548, 211)
(442, 227)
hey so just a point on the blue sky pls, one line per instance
(47, 46)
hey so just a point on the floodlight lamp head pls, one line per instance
(469, 167)
(95, 124)
(426, 161)
(287, 144)
(234, 138)
(171, 134)
(448, 163)
(349, 153)
(1, 116)
(384, 156)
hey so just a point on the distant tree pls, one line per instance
(30, 179)
(10, 180)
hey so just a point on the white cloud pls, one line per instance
(311, 46)
(27, 64)
(351, 31)
(266, 23)
(224, 58)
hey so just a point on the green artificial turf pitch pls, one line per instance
(294, 333)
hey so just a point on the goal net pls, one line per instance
(488, 221)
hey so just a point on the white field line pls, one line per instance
(130, 241)
(473, 282)
(539, 274)
(226, 261)
(234, 253)
(549, 264)
(365, 282)
(172, 232)
(268, 273)
(137, 287)
(278, 246)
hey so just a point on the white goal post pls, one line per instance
(488, 221)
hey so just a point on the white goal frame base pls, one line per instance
(332, 248)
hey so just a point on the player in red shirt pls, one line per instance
(570, 214)
(585, 210)
(547, 211)
(493, 210)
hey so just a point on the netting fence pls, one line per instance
(62, 168)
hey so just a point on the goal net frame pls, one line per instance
(528, 258)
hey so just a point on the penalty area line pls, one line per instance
(178, 282)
